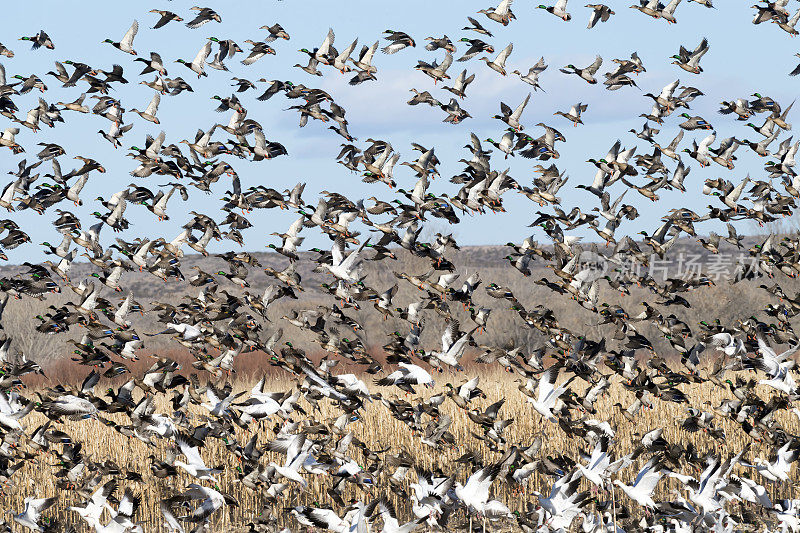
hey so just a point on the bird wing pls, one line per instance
(202, 55)
(547, 382)
(503, 55)
(192, 454)
(520, 108)
(127, 40)
(348, 263)
(152, 109)
(326, 44)
(593, 68)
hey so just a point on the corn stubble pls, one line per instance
(378, 430)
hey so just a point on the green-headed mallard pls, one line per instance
(689, 61)
(198, 63)
(39, 40)
(694, 123)
(476, 46)
(586, 74)
(559, 10)
(126, 44)
(398, 41)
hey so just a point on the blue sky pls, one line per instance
(743, 59)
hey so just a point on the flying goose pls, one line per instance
(548, 393)
(30, 517)
(195, 466)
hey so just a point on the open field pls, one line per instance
(378, 430)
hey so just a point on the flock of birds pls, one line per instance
(563, 379)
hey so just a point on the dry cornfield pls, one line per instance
(380, 432)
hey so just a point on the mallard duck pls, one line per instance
(648, 7)
(760, 148)
(665, 97)
(155, 64)
(502, 13)
(512, 118)
(399, 40)
(499, 63)
(532, 77)
(444, 42)
(689, 61)
(149, 114)
(364, 61)
(126, 44)
(780, 120)
(669, 150)
(694, 123)
(39, 40)
(198, 63)
(506, 144)
(276, 31)
(476, 27)
(574, 114)
(789, 25)
(311, 68)
(8, 140)
(31, 120)
(76, 105)
(257, 51)
(460, 85)
(30, 83)
(724, 154)
(61, 73)
(205, 14)
(115, 133)
(476, 47)
(586, 74)
(166, 18)
(700, 152)
(435, 70)
(739, 106)
(668, 12)
(559, 10)
(732, 197)
(600, 12)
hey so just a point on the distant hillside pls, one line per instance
(724, 301)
